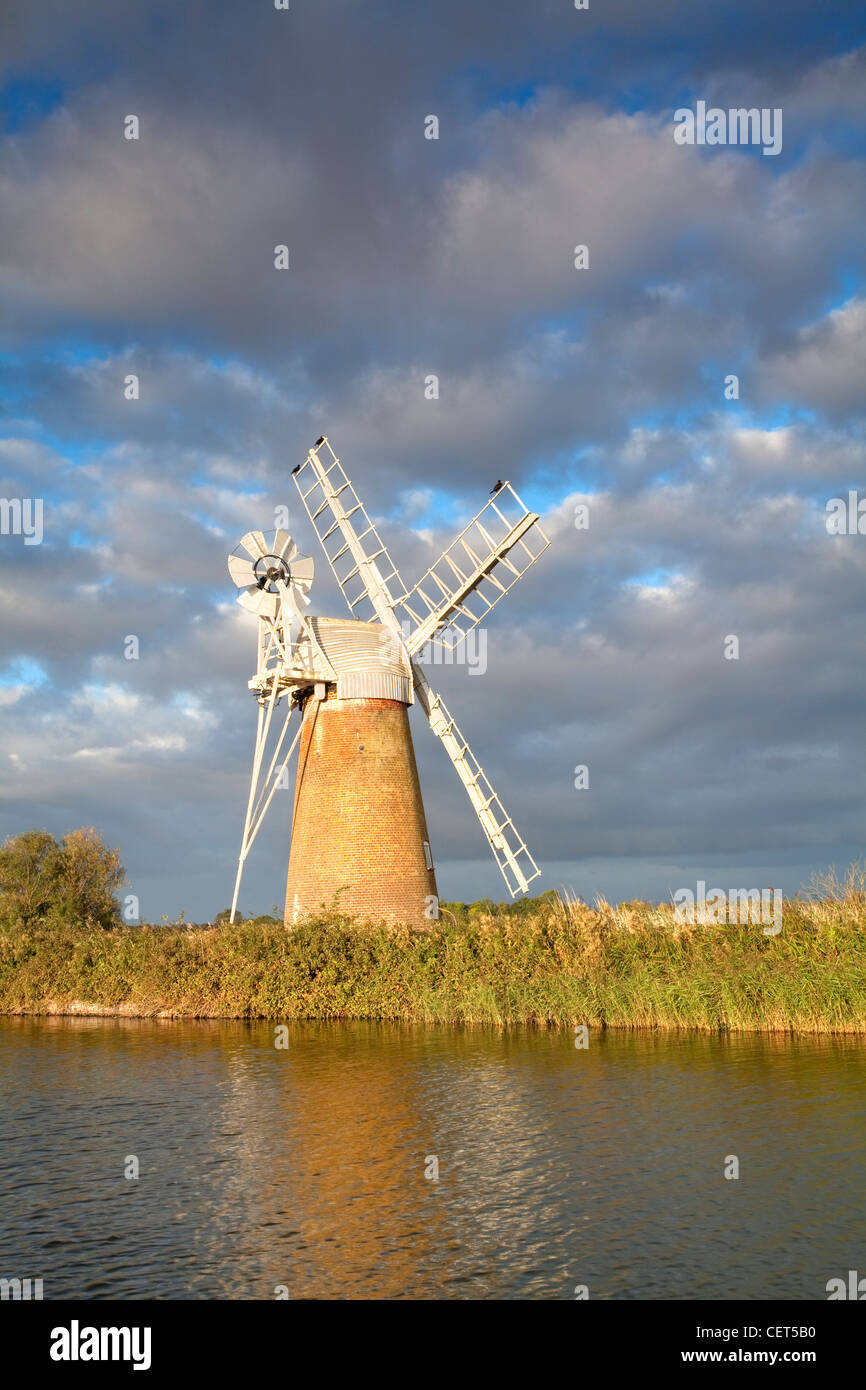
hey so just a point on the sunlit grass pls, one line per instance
(548, 961)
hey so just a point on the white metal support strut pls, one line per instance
(256, 810)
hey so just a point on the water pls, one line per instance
(305, 1167)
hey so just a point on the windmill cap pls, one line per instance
(369, 663)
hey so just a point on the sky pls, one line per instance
(605, 387)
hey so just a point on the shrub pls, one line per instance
(73, 881)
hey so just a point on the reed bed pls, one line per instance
(550, 961)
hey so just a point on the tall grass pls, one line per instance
(549, 961)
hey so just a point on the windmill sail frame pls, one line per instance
(329, 492)
(495, 551)
(474, 572)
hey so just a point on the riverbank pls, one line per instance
(546, 962)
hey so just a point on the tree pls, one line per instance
(90, 874)
(73, 881)
(29, 875)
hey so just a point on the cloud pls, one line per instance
(825, 366)
(455, 258)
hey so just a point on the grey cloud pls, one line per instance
(825, 365)
(410, 257)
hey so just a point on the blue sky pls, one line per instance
(453, 257)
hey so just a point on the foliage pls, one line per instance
(548, 961)
(72, 882)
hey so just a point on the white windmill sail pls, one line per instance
(516, 864)
(362, 567)
(477, 569)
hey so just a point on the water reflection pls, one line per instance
(305, 1167)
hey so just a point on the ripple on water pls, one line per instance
(306, 1167)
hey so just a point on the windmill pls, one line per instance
(359, 835)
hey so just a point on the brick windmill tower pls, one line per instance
(359, 834)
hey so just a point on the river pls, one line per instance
(310, 1169)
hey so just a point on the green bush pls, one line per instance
(71, 882)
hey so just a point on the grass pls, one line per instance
(547, 961)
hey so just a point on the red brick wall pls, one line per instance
(358, 821)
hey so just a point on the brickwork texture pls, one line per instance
(358, 829)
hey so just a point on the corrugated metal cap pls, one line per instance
(370, 661)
